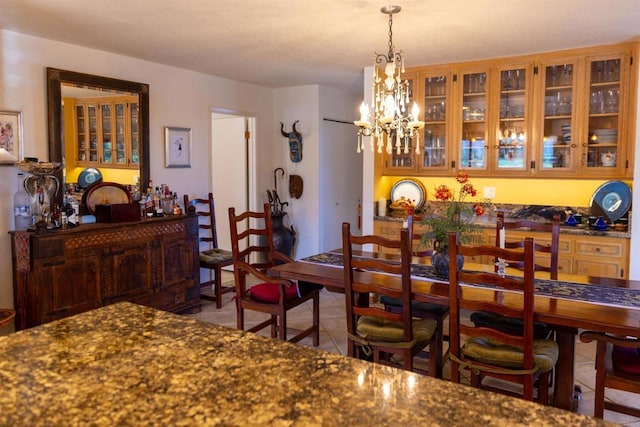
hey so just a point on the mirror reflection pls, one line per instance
(98, 129)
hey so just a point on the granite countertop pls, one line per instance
(487, 221)
(126, 364)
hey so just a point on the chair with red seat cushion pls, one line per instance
(253, 254)
(617, 367)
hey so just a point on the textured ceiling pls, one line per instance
(295, 42)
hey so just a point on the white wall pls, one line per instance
(177, 98)
(331, 171)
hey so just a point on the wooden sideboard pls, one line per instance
(64, 272)
(592, 255)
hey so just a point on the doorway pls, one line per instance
(232, 177)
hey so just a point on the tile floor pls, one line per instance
(333, 339)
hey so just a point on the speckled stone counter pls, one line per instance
(126, 364)
(487, 221)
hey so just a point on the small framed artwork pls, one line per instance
(10, 137)
(177, 147)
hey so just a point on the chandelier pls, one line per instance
(390, 97)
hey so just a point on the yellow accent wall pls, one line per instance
(121, 176)
(554, 192)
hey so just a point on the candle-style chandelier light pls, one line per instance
(390, 98)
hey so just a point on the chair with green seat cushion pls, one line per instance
(491, 352)
(213, 259)
(550, 246)
(423, 310)
(370, 328)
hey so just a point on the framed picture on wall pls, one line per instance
(10, 137)
(177, 147)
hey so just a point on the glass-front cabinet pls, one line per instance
(602, 149)
(473, 129)
(106, 132)
(511, 152)
(562, 114)
(435, 156)
(557, 148)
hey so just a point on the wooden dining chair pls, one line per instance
(372, 330)
(488, 352)
(514, 325)
(253, 254)
(551, 248)
(617, 367)
(213, 259)
(423, 310)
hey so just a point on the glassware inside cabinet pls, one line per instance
(107, 153)
(557, 147)
(120, 149)
(92, 113)
(81, 135)
(512, 141)
(604, 92)
(473, 150)
(434, 153)
(135, 136)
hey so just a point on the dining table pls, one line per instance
(568, 304)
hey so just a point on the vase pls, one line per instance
(284, 238)
(440, 263)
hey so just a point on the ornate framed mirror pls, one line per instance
(135, 159)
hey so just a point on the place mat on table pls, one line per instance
(597, 294)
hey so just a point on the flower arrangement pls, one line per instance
(452, 213)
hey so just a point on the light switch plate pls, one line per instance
(489, 192)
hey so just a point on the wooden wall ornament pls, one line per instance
(295, 186)
(295, 142)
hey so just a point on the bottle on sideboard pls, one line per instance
(21, 211)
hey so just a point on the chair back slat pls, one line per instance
(552, 248)
(205, 209)
(357, 292)
(521, 306)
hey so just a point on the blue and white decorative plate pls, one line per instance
(611, 200)
(88, 177)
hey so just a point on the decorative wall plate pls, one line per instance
(88, 177)
(105, 193)
(410, 189)
(611, 200)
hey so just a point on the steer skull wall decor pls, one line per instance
(295, 142)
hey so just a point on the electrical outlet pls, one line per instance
(489, 192)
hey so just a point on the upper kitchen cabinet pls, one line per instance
(559, 114)
(605, 136)
(436, 156)
(472, 124)
(403, 159)
(510, 145)
(558, 152)
(106, 132)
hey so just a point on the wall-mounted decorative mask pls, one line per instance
(295, 186)
(295, 142)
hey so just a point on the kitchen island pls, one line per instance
(126, 364)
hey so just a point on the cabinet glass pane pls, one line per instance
(512, 141)
(473, 153)
(121, 148)
(81, 137)
(434, 153)
(402, 154)
(558, 149)
(107, 150)
(92, 113)
(135, 136)
(604, 92)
